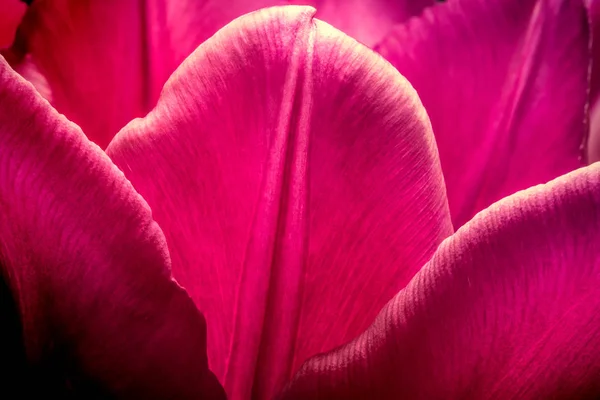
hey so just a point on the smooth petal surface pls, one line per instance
(97, 59)
(593, 150)
(367, 21)
(88, 302)
(295, 175)
(11, 12)
(593, 7)
(594, 139)
(505, 84)
(508, 308)
(106, 61)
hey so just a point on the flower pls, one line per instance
(290, 180)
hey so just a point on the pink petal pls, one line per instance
(87, 268)
(368, 21)
(10, 17)
(106, 61)
(506, 309)
(594, 139)
(295, 175)
(593, 145)
(593, 7)
(505, 85)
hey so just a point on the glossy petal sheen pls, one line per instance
(505, 85)
(94, 308)
(295, 175)
(106, 61)
(11, 12)
(508, 308)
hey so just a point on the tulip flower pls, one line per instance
(281, 224)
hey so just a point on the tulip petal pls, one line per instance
(295, 175)
(593, 145)
(86, 268)
(593, 7)
(10, 17)
(106, 61)
(505, 85)
(507, 308)
(594, 139)
(367, 21)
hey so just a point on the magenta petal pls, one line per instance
(87, 268)
(10, 16)
(368, 21)
(593, 7)
(106, 61)
(505, 85)
(594, 139)
(295, 175)
(593, 145)
(506, 309)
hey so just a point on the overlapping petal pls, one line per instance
(106, 61)
(295, 175)
(508, 308)
(505, 84)
(88, 302)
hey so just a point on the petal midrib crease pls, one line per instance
(261, 355)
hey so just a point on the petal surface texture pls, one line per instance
(505, 85)
(106, 61)
(507, 308)
(295, 175)
(94, 307)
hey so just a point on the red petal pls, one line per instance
(295, 175)
(10, 17)
(87, 267)
(505, 85)
(506, 309)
